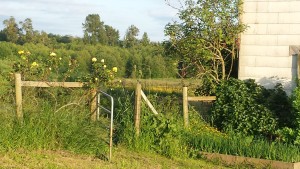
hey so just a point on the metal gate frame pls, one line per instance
(111, 111)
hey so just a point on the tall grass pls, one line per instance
(43, 127)
(235, 144)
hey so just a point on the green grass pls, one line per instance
(43, 127)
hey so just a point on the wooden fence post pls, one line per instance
(185, 106)
(93, 104)
(137, 108)
(18, 87)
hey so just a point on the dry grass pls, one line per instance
(122, 158)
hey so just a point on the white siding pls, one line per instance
(273, 26)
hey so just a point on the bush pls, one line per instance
(279, 103)
(239, 108)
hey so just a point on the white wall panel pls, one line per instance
(273, 26)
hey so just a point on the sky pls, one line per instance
(65, 17)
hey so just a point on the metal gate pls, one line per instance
(110, 114)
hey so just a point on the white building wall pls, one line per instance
(267, 49)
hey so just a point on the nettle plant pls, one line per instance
(55, 68)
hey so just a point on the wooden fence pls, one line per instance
(19, 84)
(139, 94)
(185, 104)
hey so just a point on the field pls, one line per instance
(161, 85)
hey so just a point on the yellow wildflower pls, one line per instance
(104, 66)
(102, 60)
(94, 59)
(34, 64)
(96, 79)
(115, 69)
(52, 54)
(21, 52)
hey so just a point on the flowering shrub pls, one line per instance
(48, 69)
(100, 75)
(28, 66)
(41, 68)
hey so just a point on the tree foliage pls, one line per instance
(130, 39)
(205, 38)
(11, 30)
(27, 31)
(112, 35)
(145, 39)
(94, 31)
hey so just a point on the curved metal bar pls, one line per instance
(111, 111)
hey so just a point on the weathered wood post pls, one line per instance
(185, 106)
(18, 87)
(93, 93)
(137, 108)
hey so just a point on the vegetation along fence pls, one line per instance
(94, 104)
(186, 99)
(140, 94)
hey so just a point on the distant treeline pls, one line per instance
(135, 58)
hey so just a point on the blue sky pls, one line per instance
(65, 17)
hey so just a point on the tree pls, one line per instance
(11, 30)
(42, 38)
(206, 37)
(27, 31)
(145, 39)
(130, 39)
(94, 31)
(2, 36)
(112, 35)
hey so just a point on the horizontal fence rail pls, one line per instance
(51, 84)
(186, 99)
(202, 98)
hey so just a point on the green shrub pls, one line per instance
(238, 108)
(280, 104)
(296, 105)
